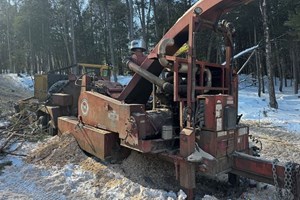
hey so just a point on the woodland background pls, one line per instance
(41, 35)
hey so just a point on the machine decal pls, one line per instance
(222, 133)
(218, 109)
(113, 116)
(230, 100)
(84, 107)
(243, 131)
(219, 115)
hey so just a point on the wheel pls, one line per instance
(233, 179)
(51, 129)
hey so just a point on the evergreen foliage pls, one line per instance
(41, 35)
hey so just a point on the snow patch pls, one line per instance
(20, 80)
(257, 108)
(4, 124)
(124, 80)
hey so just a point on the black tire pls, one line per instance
(233, 179)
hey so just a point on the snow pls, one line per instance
(3, 123)
(23, 178)
(124, 80)
(257, 108)
(26, 81)
(21, 80)
(243, 52)
(71, 182)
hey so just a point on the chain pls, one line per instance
(256, 141)
(288, 180)
(255, 150)
(291, 170)
(296, 175)
(278, 190)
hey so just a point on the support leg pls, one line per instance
(187, 173)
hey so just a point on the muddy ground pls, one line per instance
(56, 168)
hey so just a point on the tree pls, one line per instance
(8, 22)
(110, 38)
(294, 20)
(129, 4)
(294, 23)
(272, 98)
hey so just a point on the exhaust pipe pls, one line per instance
(167, 87)
(162, 51)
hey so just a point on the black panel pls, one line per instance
(230, 117)
(143, 89)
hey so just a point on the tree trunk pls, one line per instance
(279, 66)
(8, 38)
(285, 74)
(110, 39)
(75, 70)
(261, 74)
(168, 15)
(155, 20)
(148, 19)
(142, 16)
(65, 34)
(37, 64)
(273, 103)
(30, 48)
(291, 53)
(130, 18)
(257, 63)
(295, 69)
(283, 71)
(67, 48)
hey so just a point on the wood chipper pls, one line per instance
(193, 117)
(56, 94)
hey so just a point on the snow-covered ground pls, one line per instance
(59, 177)
(19, 81)
(124, 80)
(13, 87)
(257, 109)
(3, 123)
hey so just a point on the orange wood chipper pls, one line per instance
(192, 118)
